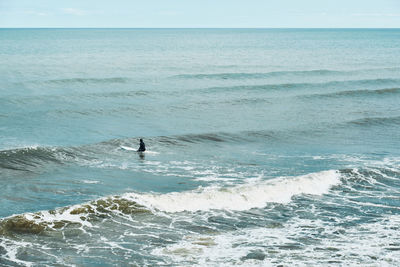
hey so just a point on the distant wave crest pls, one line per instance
(255, 75)
(300, 86)
(81, 81)
(353, 93)
(376, 121)
(263, 75)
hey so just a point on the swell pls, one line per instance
(376, 121)
(263, 75)
(80, 81)
(115, 112)
(339, 94)
(236, 198)
(369, 87)
(31, 158)
(356, 93)
(368, 83)
(256, 75)
(77, 98)
(201, 138)
(220, 137)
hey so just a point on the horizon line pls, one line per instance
(281, 28)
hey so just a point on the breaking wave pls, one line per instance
(242, 197)
(237, 198)
(82, 215)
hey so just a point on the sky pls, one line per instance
(200, 14)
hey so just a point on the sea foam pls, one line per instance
(242, 197)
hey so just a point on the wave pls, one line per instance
(239, 198)
(257, 75)
(118, 111)
(24, 158)
(366, 83)
(219, 137)
(35, 157)
(263, 75)
(200, 138)
(242, 197)
(77, 98)
(362, 92)
(83, 215)
(376, 121)
(81, 81)
(30, 158)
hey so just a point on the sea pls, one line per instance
(265, 147)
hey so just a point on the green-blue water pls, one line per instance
(265, 147)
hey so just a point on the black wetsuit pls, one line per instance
(142, 147)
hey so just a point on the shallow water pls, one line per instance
(265, 147)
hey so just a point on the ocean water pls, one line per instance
(266, 147)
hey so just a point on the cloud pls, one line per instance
(74, 11)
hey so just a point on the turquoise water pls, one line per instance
(265, 147)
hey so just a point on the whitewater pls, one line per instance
(265, 147)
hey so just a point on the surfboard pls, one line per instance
(128, 148)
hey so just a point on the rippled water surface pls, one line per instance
(264, 147)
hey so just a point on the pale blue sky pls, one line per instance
(201, 13)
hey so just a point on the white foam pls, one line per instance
(243, 197)
(369, 244)
(90, 182)
(11, 248)
(152, 152)
(60, 215)
(21, 147)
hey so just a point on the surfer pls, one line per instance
(142, 147)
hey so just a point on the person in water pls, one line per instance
(142, 147)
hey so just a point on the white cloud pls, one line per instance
(74, 11)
